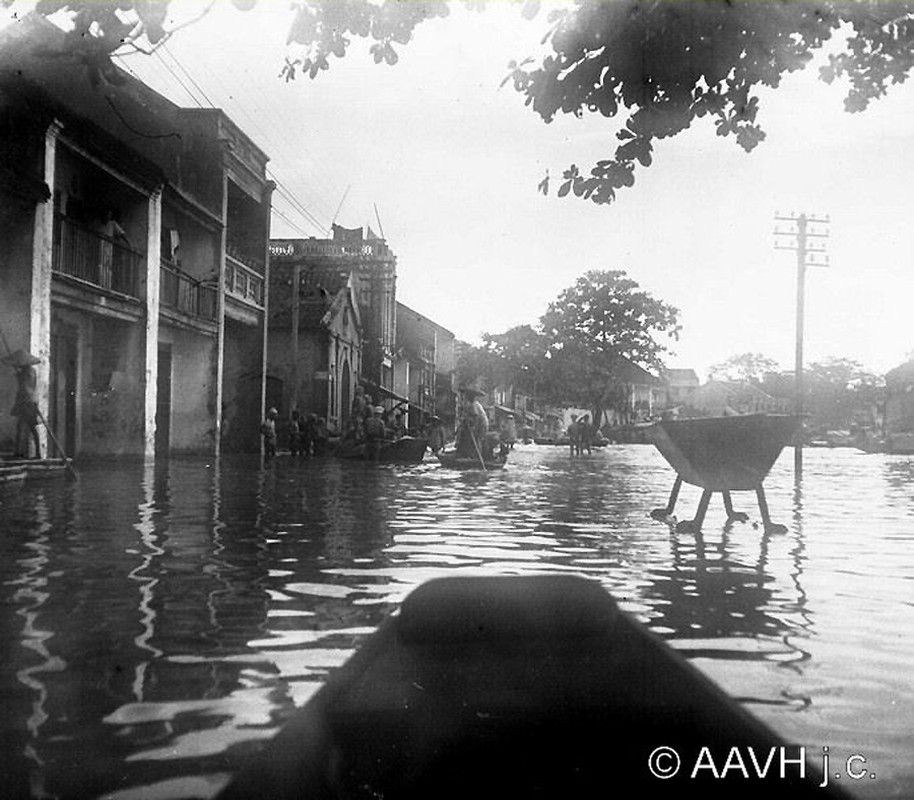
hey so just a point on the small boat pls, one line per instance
(450, 459)
(38, 467)
(520, 687)
(405, 450)
(10, 473)
(722, 454)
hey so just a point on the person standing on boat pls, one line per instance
(399, 426)
(435, 435)
(25, 406)
(474, 425)
(374, 434)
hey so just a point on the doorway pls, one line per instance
(163, 402)
(62, 388)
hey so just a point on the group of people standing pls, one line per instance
(580, 435)
(307, 435)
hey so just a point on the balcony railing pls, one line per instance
(244, 283)
(95, 258)
(242, 253)
(185, 294)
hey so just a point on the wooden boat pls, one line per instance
(722, 454)
(520, 687)
(406, 450)
(450, 459)
(38, 467)
(10, 473)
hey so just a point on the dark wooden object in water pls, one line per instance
(722, 454)
(517, 687)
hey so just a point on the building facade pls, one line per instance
(424, 367)
(135, 255)
(307, 271)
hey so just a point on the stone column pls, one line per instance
(153, 259)
(42, 263)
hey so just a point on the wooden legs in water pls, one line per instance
(694, 525)
(663, 513)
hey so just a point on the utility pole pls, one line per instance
(800, 237)
(296, 303)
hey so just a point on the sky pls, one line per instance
(434, 154)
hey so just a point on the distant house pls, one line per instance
(677, 388)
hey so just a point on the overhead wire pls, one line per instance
(295, 204)
(278, 127)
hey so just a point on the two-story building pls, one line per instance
(424, 368)
(356, 276)
(135, 256)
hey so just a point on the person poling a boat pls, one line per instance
(25, 406)
(374, 433)
(472, 432)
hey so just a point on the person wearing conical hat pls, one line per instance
(474, 425)
(25, 406)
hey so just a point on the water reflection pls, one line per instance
(161, 621)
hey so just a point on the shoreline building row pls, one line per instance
(136, 265)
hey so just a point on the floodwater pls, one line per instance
(160, 623)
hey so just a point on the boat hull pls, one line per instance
(452, 461)
(408, 450)
(35, 467)
(534, 686)
(724, 453)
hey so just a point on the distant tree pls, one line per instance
(749, 367)
(476, 366)
(661, 65)
(840, 393)
(522, 357)
(597, 329)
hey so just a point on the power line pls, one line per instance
(187, 74)
(296, 205)
(280, 214)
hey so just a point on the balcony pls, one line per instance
(96, 259)
(244, 254)
(243, 284)
(182, 293)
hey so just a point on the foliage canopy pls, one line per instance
(660, 65)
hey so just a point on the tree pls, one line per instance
(749, 367)
(839, 394)
(521, 353)
(662, 65)
(601, 330)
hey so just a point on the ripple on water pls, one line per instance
(161, 622)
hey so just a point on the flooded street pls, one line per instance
(158, 624)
